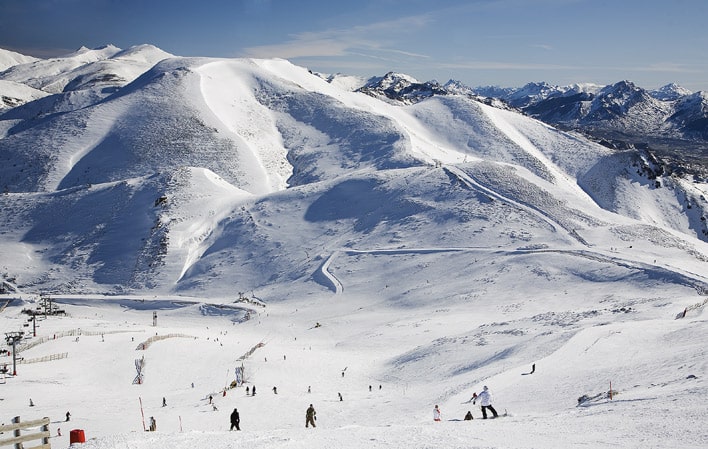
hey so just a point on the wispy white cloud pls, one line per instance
(667, 67)
(364, 39)
(498, 65)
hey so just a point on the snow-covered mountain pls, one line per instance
(410, 235)
(102, 176)
(622, 111)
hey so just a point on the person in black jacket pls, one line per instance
(310, 416)
(235, 420)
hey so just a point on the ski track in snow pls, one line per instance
(328, 279)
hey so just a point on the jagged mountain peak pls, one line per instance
(403, 88)
(670, 92)
(391, 79)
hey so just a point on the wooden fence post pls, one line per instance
(18, 439)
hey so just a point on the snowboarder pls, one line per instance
(310, 416)
(437, 414)
(468, 416)
(235, 420)
(485, 400)
(68, 416)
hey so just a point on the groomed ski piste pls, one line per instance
(412, 358)
(465, 249)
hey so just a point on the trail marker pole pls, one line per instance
(142, 412)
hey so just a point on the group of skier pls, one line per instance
(484, 398)
(485, 402)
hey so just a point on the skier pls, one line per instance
(310, 416)
(153, 424)
(253, 391)
(340, 396)
(275, 390)
(68, 416)
(437, 414)
(248, 391)
(235, 420)
(164, 402)
(211, 398)
(468, 416)
(485, 400)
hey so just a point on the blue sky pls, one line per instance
(479, 42)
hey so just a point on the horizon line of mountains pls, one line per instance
(671, 121)
(620, 116)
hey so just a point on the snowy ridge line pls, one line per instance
(473, 183)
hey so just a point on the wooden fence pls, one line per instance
(17, 426)
(46, 358)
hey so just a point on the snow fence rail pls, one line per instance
(144, 345)
(46, 358)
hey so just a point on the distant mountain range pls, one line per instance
(671, 120)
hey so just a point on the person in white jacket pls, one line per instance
(485, 401)
(437, 414)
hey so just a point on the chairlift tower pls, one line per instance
(12, 338)
(45, 301)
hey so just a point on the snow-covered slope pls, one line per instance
(10, 58)
(441, 244)
(304, 158)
